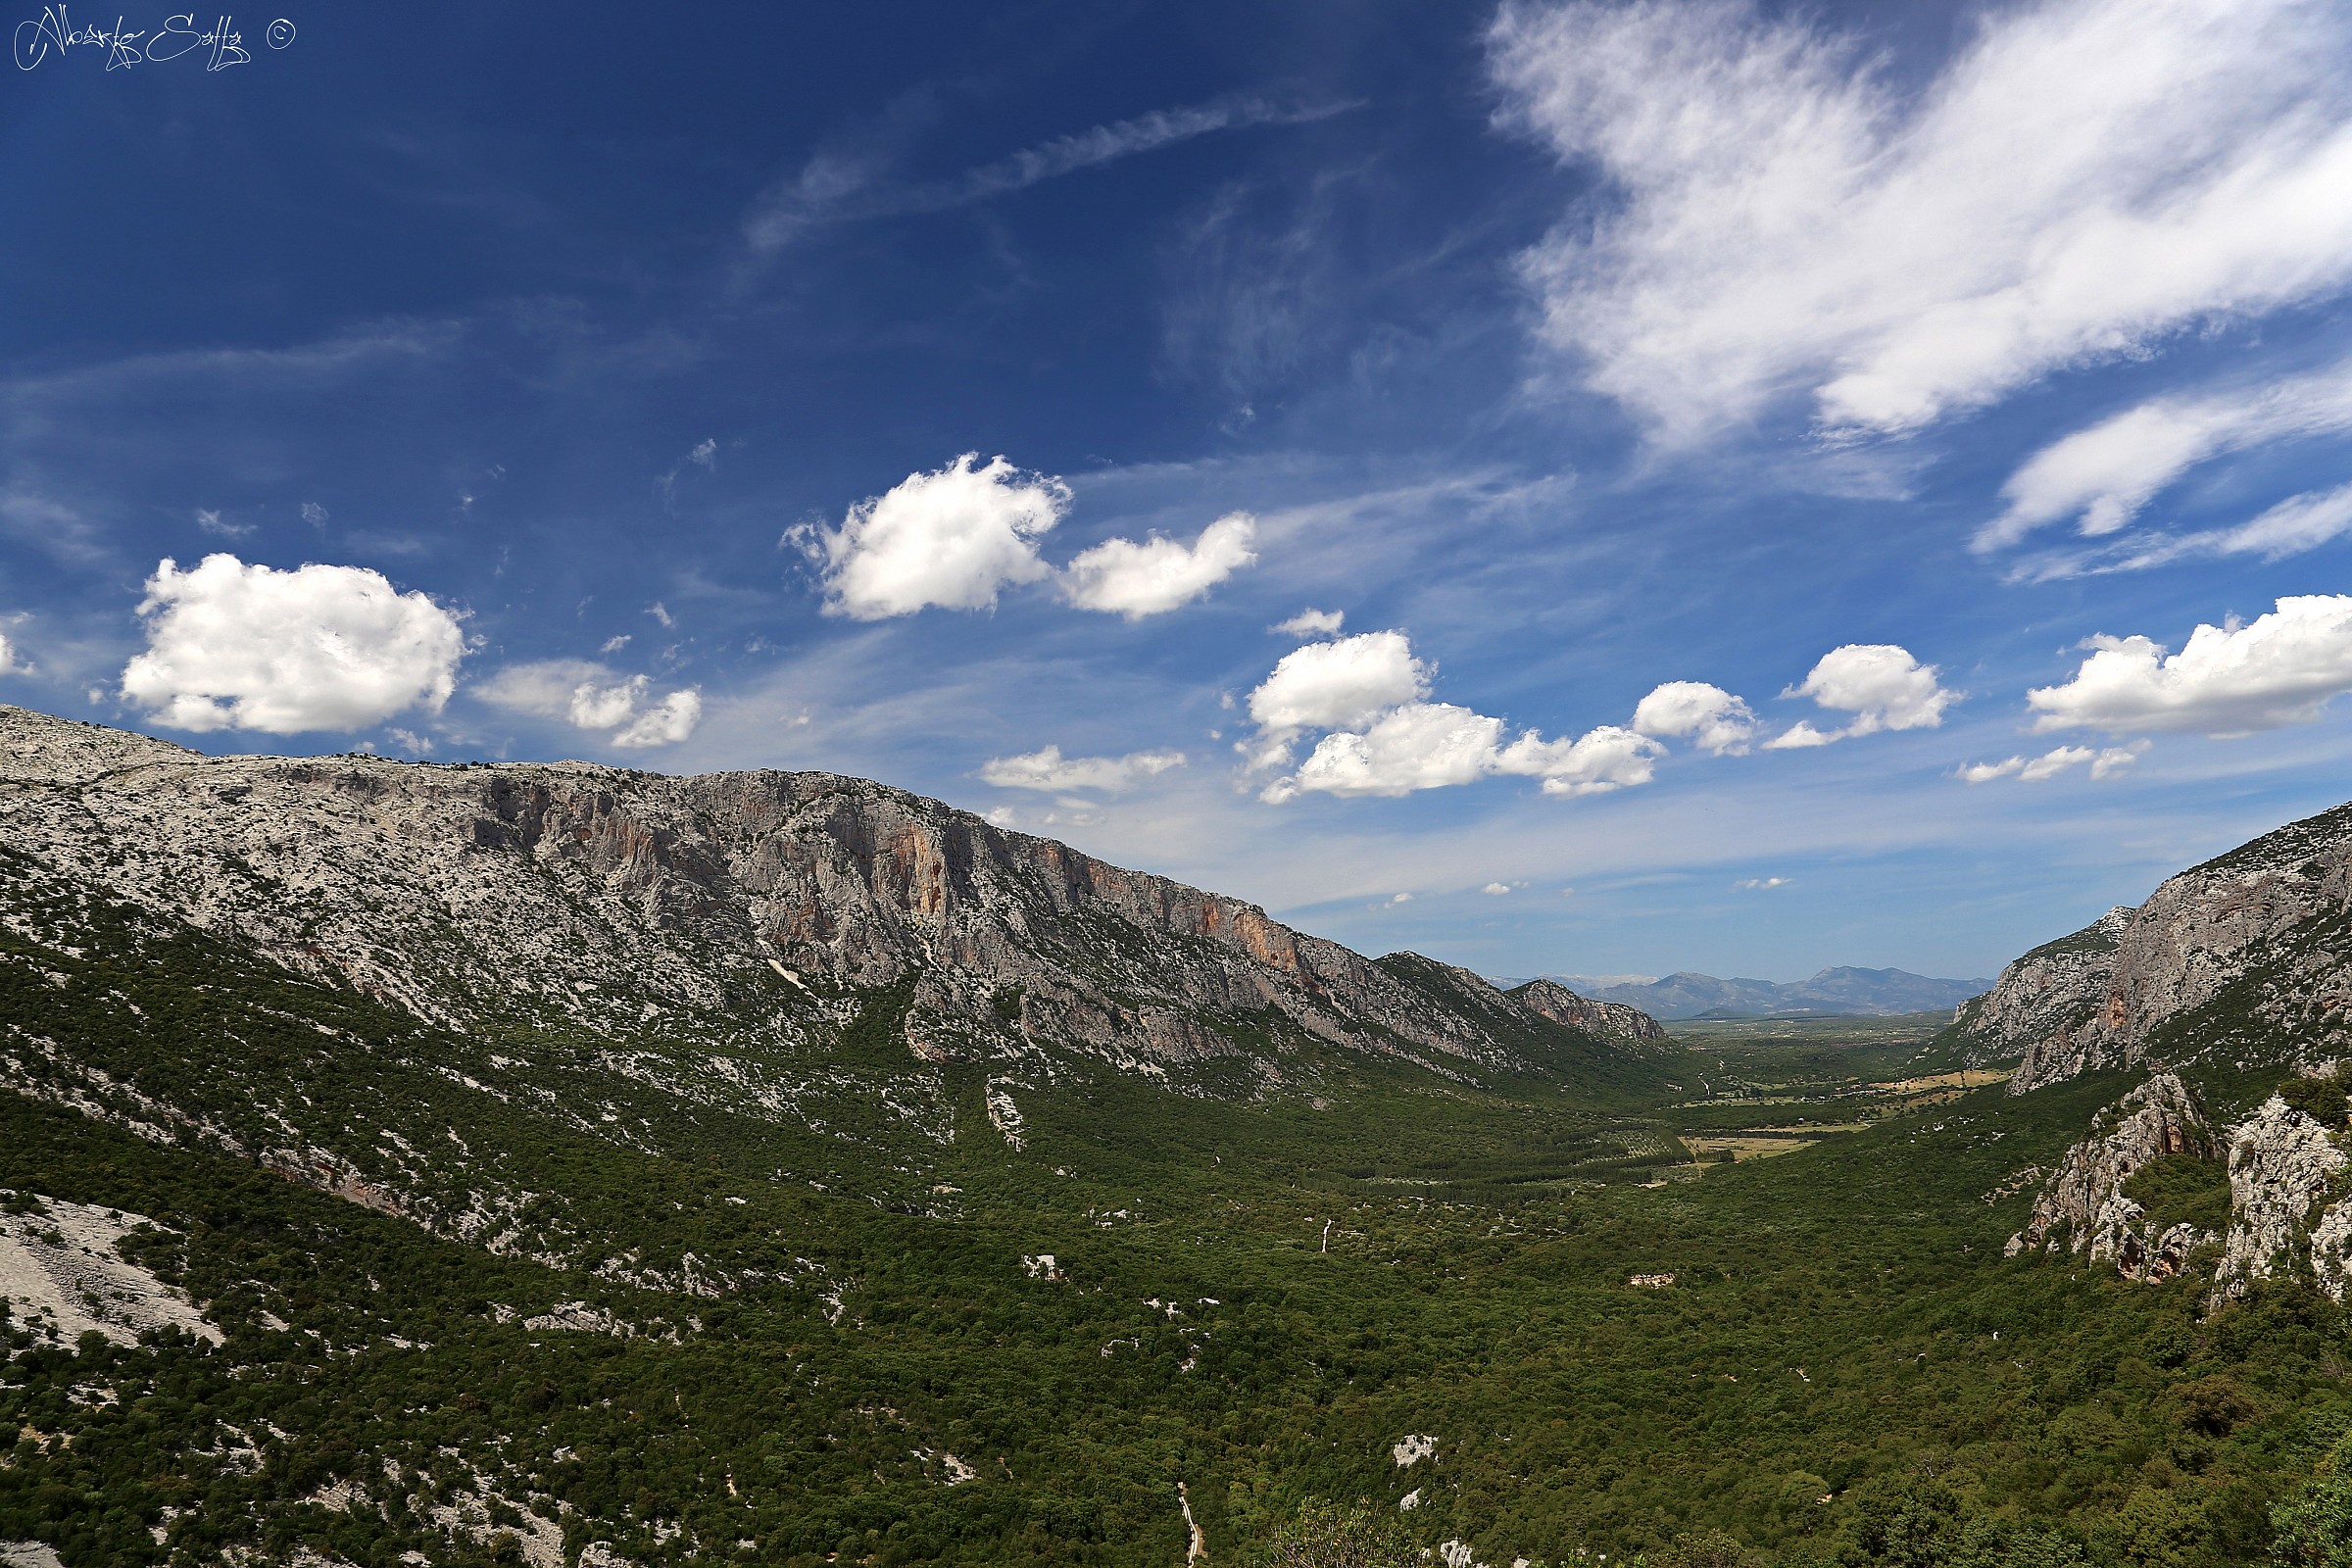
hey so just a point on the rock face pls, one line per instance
(2040, 999)
(2283, 1164)
(1608, 1019)
(632, 903)
(2248, 955)
(2084, 1200)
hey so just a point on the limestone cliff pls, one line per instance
(2084, 1203)
(1609, 1020)
(2246, 958)
(2284, 1166)
(637, 904)
(2042, 998)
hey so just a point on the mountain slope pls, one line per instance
(747, 906)
(2244, 960)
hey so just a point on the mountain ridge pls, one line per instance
(756, 904)
(1839, 989)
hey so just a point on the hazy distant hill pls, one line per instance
(1842, 990)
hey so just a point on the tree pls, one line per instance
(1328, 1534)
(2315, 1532)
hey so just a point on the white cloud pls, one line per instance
(9, 665)
(1311, 624)
(1715, 720)
(1420, 745)
(592, 696)
(1496, 890)
(236, 647)
(1757, 884)
(704, 454)
(613, 645)
(2282, 669)
(212, 522)
(1338, 685)
(665, 724)
(2104, 763)
(1879, 683)
(951, 538)
(835, 187)
(2291, 526)
(1049, 769)
(1386, 738)
(2082, 180)
(1800, 736)
(314, 514)
(1605, 758)
(2102, 475)
(1135, 581)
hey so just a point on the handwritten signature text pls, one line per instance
(216, 44)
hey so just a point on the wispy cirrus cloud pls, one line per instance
(2082, 180)
(837, 186)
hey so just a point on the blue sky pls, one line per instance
(1757, 470)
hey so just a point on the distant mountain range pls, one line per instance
(1841, 991)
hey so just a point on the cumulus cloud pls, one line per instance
(1801, 735)
(1420, 745)
(1311, 624)
(2082, 180)
(1135, 581)
(335, 647)
(1338, 685)
(956, 537)
(593, 697)
(1605, 758)
(1713, 718)
(9, 664)
(2282, 669)
(2103, 476)
(1049, 769)
(1386, 738)
(1879, 683)
(2104, 763)
(1496, 890)
(951, 538)
(664, 724)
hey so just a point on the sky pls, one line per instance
(1577, 488)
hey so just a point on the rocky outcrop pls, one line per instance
(2284, 1166)
(1608, 1019)
(2042, 998)
(2248, 956)
(747, 903)
(2083, 1202)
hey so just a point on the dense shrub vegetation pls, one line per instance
(597, 1299)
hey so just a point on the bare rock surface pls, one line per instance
(2042, 998)
(1612, 1019)
(62, 1276)
(2283, 1164)
(2084, 1200)
(2249, 955)
(632, 903)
